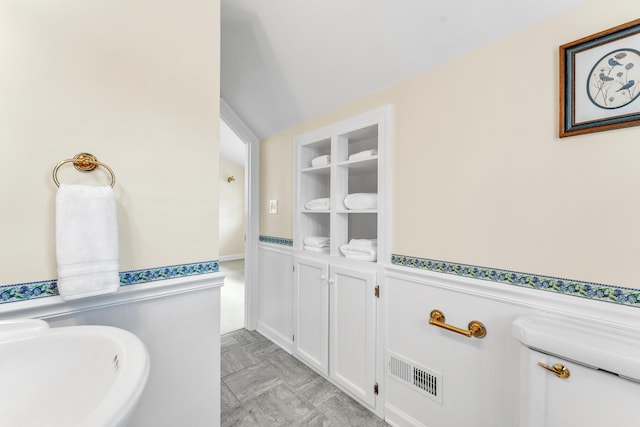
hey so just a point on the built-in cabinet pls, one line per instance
(341, 194)
(352, 169)
(335, 325)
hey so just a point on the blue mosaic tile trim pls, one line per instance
(276, 240)
(27, 291)
(134, 277)
(49, 288)
(589, 290)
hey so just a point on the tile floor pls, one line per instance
(232, 296)
(262, 385)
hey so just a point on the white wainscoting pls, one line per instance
(275, 296)
(179, 322)
(479, 386)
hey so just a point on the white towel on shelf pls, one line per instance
(316, 241)
(86, 241)
(363, 154)
(321, 160)
(317, 204)
(365, 243)
(359, 252)
(361, 201)
(316, 249)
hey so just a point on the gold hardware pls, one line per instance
(377, 292)
(560, 370)
(231, 178)
(476, 328)
(84, 162)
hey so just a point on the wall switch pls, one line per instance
(273, 207)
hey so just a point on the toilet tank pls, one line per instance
(600, 383)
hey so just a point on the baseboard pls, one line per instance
(397, 418)
(285, 342)
(230, 257)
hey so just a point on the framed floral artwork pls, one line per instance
(600, 81)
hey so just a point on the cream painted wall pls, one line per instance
(276, 183)
(479, 175)
(137, 85)
(232, 210)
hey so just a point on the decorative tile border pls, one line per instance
(48, 288)
(589, 290)
(276, 240)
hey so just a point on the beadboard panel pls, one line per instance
(275, 300)
(479, 385)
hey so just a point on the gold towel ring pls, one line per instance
(84, 162)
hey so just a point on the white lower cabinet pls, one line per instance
(311, 308)
(335, 327)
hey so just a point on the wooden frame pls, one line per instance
(600, 81)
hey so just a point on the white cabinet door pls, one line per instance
(311, 337)
(353, 331)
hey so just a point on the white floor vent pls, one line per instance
(426, 381)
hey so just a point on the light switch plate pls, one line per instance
(273, 207)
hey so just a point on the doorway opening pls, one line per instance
(238, 220)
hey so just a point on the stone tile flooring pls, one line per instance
(262, 385)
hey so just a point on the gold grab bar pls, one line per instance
(84, 162)
(476, 328)
(560, 370)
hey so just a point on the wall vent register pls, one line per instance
(419, 378)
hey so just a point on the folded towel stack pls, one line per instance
(363, 154)
(361, 249)
(321, 161)
(321, 204)
(361, 201)
(318, 244)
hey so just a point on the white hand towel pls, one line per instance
(318, 204)
(317, 241)
(363, 154)
(361, 201)
(367, 243)
(321, 160)
(86, 241)
(316, 249)
(359, 252)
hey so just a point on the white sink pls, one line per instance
(69, 376)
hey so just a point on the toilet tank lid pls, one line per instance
(594, 345)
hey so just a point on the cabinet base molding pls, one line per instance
(273, 335)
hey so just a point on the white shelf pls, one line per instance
(340, 178)
(357, 211)
(368, 165)
(319, 170)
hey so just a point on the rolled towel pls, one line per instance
(365, 243)
(361, 201)
(317, 204)
(359, 252)
(316, 249)
(316, 241)
(363, 154)
(321, 161)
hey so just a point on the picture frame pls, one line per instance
(600, 81)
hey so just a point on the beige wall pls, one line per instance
(137, 85)
(479, 174)
(231, 208)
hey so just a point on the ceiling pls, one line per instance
(284, 61)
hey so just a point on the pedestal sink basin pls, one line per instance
(69, 376)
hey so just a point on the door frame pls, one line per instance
(251, 211)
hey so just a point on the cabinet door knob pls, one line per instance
(323, 277)
(330, 281)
